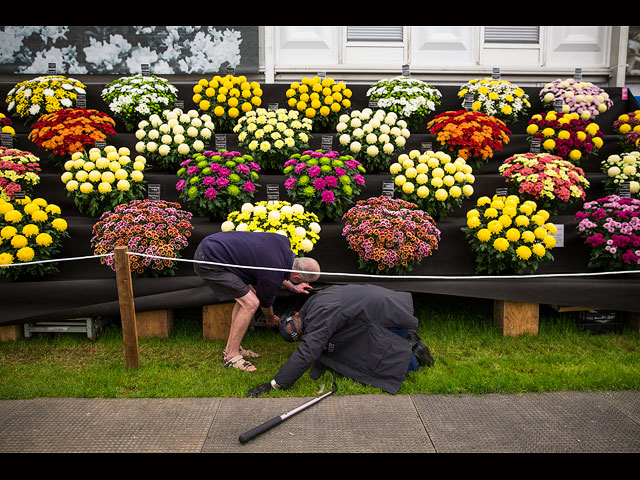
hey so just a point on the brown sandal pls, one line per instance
(240, 363)
(249, 353)
(244, 353)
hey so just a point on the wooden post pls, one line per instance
(127, 307)
(516, 318)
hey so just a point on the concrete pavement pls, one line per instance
(563, 422)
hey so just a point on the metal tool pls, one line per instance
(269, 424)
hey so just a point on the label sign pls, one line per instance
(153, 191)
(559, 235)
(327, 142)
(221, 141)
(387, 189)
(273, 192)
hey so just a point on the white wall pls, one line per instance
(446, 54)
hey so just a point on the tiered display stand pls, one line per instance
(85, 288)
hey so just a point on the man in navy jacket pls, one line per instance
(231, 276)
(364, 332)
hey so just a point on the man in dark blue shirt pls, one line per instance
(232, 277)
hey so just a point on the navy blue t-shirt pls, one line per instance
(256, 249)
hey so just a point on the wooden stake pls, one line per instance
(127, 308)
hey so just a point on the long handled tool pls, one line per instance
(269, 424)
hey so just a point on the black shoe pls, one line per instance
(413, 338)
(422, 354)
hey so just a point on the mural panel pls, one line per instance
(121, 50)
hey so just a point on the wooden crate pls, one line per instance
(154, 323)
(216, 321)
(516, 318)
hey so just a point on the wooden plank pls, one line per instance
(216, 321)
(564, 308)
(154, 323)
(127, 308)
(10, 333)
(516, 318)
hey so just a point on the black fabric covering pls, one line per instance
(87, 288)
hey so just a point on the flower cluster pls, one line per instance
(214, 182)
(498, 98)
(324, 182)
(433, 181)
(150, 227)
(45, 94)
(611, 227)
(565, 135)
(6, 125)
(30, 230)
(627, 126)
(550, 181)
(624, 168)
(373, 137)
(301, 227)
(474, 136)
(19, 171)
(390, 235)
(134, 98)
(583, 98)
(98, 180)
(272, 136)
(173, 136)
(70, 130)
(410, 98)
(508, 235)
(226, 99)
(321, 100)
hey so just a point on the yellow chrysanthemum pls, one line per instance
(501, 244)
(484, 235)
(523, 252)
(25, 254)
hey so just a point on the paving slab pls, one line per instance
(337, 424)
(65, 425)
(563, 422)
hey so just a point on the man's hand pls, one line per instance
(265, 388)
(273, 321)
(303, 288)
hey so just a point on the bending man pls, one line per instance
(251, 288)
(364, 332)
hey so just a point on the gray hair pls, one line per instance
(309, 265)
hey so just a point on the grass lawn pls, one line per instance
(471, 356)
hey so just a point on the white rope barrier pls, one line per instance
(412, 277)
(343, 274)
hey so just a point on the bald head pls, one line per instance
(309, 266)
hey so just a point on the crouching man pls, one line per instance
(364, 332)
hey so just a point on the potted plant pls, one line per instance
(390, 235)
(168, 138)
(324, 182)
(100, 179)
(214, 182)
(498, 98)
(300, 226)
(31, 230)
(508, 235)
(432, 180)
(157, 230)
(609, 226)
(372, 137)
